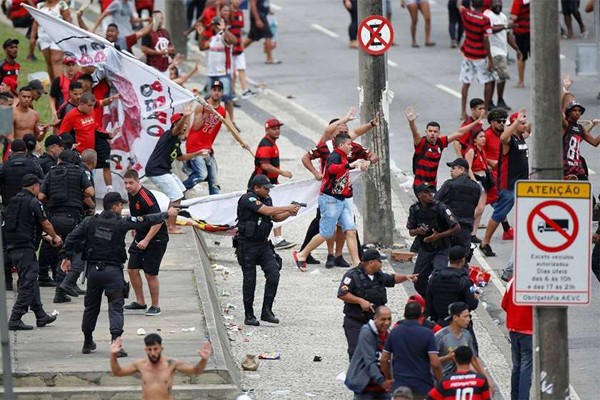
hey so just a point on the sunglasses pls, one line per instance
(502, 121)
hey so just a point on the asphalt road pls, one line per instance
(320, 73)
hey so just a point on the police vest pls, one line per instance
(445, 288)
(64, 187)
(13, 171)
(105, 241)
(253, 226)
(462, 198)
(371, 290)
(19, 227)
(46, 161)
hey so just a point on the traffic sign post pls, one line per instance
(375, 35)
(552, 243)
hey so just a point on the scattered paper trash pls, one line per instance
(253, 376)
(225, 293)
(172, 331)
(281, 392)
(270, 356)
(243, 397)
(315, 272)
(231, 306)
(250, 362)
(341, 376)
(141, 331)
(318, 358)
(228, 317)
(307, 394)
(218, 267)
(191, 329)
(55, 313)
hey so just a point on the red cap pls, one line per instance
(514, 117)
(417, 298)
(69, 60)
(176, 117)
(272, 123)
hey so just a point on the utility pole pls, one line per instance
(176, 22)
(378, 219)
(4, 337)
(550, 339)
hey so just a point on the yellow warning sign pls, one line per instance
(554, 189)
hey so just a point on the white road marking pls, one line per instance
(562, 56)
(276, 7)
(446, 89)
(393, 64)
(325, 31)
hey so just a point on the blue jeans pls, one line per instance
(521, 347)
(200, 169)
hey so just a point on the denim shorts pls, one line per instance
(170, 185)
(334, 212)
(505, 203)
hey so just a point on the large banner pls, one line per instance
(148, 98)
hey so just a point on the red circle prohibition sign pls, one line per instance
(538, 212)
(375, 35)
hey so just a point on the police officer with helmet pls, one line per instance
(363, 289)
(433, 224)
(65, 190)
(11, 175)
(461, 194)
(102, 237)
(24, 217)
(255, 213)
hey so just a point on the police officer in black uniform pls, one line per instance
(11, 175)
(255, 213)
(24, 218)
(54, 146)
(363, 290)
(461, 195)
(103, 238)
(65, 190)
(433, 224)
(450, 285)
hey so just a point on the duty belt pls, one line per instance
(100, 265)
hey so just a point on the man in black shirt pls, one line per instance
(54, 146)
(148, 246)
(168, 149)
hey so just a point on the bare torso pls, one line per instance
(157, 379)
(24, 121)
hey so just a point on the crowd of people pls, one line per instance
(432, 352)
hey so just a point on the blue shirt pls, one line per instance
(410, 344)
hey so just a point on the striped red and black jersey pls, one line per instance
(513, 165)
(9, 73)
(267, 152)
(520, 9)
(461, 385)
(322, 150)
(427, 159)
(336, 179)
(236, 25)
(477, 27)
(468, 137)
(144, 203)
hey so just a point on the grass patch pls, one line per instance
(28, 67)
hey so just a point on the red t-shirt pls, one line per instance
(467, 137)
(492, 145)
(477, 28)
(479, 158)
(204, 137)
(82, 127)
(520, 9)
(17, 10)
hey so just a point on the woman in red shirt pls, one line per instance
(474, 153)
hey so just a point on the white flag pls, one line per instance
(148, 98)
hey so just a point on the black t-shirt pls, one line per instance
(167, 149)
(144, 203)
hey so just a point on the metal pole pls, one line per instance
(4, 336)
(176, 22)
(551, 347)
(378, 219)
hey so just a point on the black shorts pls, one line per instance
(102, 148)
(256, 34)
(524, 44)
(569, 6)
(149, 259)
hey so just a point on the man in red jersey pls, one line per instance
(59, 89)
(464, 382)
(519, 14)
(9, 67)
(428, 148)
(478, 110)
(477, 57)
(157, 44)
(201, 137)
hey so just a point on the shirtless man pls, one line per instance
(156, 371)
(26, 120)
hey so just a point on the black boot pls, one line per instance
(44, 280)
(267, 311)
(18, 325)
(42, 319)
(60, 296)
(88, 345)
(251, 320)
